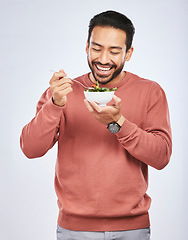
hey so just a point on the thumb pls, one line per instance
(62, 70)
(117, 101)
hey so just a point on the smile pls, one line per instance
(103, 68)
(103, 71)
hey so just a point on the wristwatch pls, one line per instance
(114, 127)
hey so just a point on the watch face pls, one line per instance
(113, 127)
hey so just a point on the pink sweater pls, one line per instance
(101, 178)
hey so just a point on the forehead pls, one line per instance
(108, 36)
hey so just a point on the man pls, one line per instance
(101, 174)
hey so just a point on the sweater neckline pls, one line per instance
(88, 82)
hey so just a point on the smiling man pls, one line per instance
(107, 53)
(101, 174)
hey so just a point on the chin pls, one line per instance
(103, 80)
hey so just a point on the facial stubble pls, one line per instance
(114, 75)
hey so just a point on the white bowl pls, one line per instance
(101, 98)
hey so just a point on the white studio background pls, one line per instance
(37, 36)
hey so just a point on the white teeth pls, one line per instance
(103, 69)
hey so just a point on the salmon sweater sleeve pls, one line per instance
(101, 178)
(150, 144)
(42, 132)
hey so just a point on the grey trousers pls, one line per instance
(138, 234)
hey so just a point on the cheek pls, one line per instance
(119, 60)
(93, 56)
(122, 59)
(90, 56)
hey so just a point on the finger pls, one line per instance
(61, 82)
(96, 106)
(57, 75)
(117, 101)
(62, 92)
(62, 70)
(57, 88)
(60, 74)
(88, 105)
(63, 86)
(67, 90)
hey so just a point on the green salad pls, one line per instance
(96, 88)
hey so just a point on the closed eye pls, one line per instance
(96, 50)
(114, 53)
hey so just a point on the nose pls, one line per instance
(104, 57)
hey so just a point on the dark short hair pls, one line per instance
(116, 20)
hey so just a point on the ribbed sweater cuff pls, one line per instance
(126, 130)
(51, 109)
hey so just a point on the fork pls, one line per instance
(77, 82)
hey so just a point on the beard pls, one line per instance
(101, 78)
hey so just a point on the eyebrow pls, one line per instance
(112, 47)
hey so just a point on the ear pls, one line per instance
(129, 54)
(87, 47)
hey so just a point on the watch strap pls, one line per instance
(121, 121)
